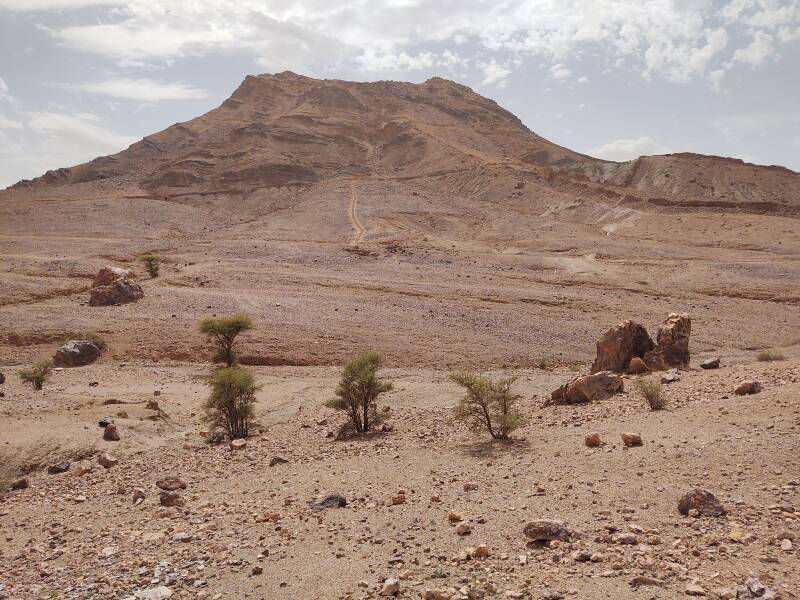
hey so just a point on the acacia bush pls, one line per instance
(37, 374)
(488, 404)
(230, 404)
(97, 339)
(223, 331)
(359, 389)
(653, 393)
(152, 263)
(769, 356)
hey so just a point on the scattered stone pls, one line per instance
(152, 405)
(593, 440)
(391, 587)
(587, 388)
(641, 580)
(786, 545)
(76, 353)
(61, 467)
(167, 498)
(619, 345)
(111, 433)
(238, 444)
(257, 570)
(672, 344)
(748, 387)
(330, 501)
(692, 589)
(702, 501)
(631, 439)
(399, 499)
(470, 487)
(482, 552)
(107, 461)
(2, 378)
(182, 536)
(138, 494)
(463, 528)
(636, 367)
(277, 460)
(155, 593)
(710, 363)
(105, 422)
(20, 484)
(670, 377)
(544, 530)
(171, 483)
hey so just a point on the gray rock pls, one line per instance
(544, 530)
(76, 353)
(710, 363)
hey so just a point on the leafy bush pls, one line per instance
(488, 404)
(97, 339)
(359, 389)
(230, 405)
(37, 374)
(769, 356)
(652, 392)
(223, 331)
(152, 262)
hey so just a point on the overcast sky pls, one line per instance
(611, 78)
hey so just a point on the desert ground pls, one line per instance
(507, 271)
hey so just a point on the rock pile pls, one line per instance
(587, 388)
(112, 286)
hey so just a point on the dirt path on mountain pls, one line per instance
(353, 215)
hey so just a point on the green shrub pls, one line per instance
(652, 392)
(488, 404)
(769, 356)
(230, 405)
(37, 374)
(97, 339)
(359, 389)
(223, 331)
(152, 262)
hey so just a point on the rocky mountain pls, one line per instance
(286, 130)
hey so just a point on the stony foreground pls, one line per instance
(437, 508)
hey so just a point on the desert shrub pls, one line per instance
(37, 374)
(230, 404)
(652, 392)
(223, 331)
(359, 389)
(152, 262)
(769, 356)
(488, 404)
(97, 339)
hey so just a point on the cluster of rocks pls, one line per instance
(114, 285)
(628, 348)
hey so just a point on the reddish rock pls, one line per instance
(748, 387)
(636, 366)
(108, 275)
(111, 433)
(107, 461)
(672, 344)
(545, 530)
(171, 483)
(593, 440)
(586, 388)
(703, 501)
(170, 499)
(631, 439)
(120, 291)
(619, 345)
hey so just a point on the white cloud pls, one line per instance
(628, 149)
(757, 123)
(5, 96)
(82, 130)
(559, 71)
(6, 123)
(762, 47)
(29, 5)
(145, 90)
(670, 39)
(495, 73)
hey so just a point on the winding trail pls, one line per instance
(354, 220)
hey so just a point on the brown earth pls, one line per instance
(429, 223)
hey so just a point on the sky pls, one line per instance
(614, 79)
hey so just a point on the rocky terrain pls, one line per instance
(426, 222)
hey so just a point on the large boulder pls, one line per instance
(619, 345)
(120, 291)
(545, 530)
(596, 386)
(76, 353)
(108, 275)
(702, 501)
(672, 344)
